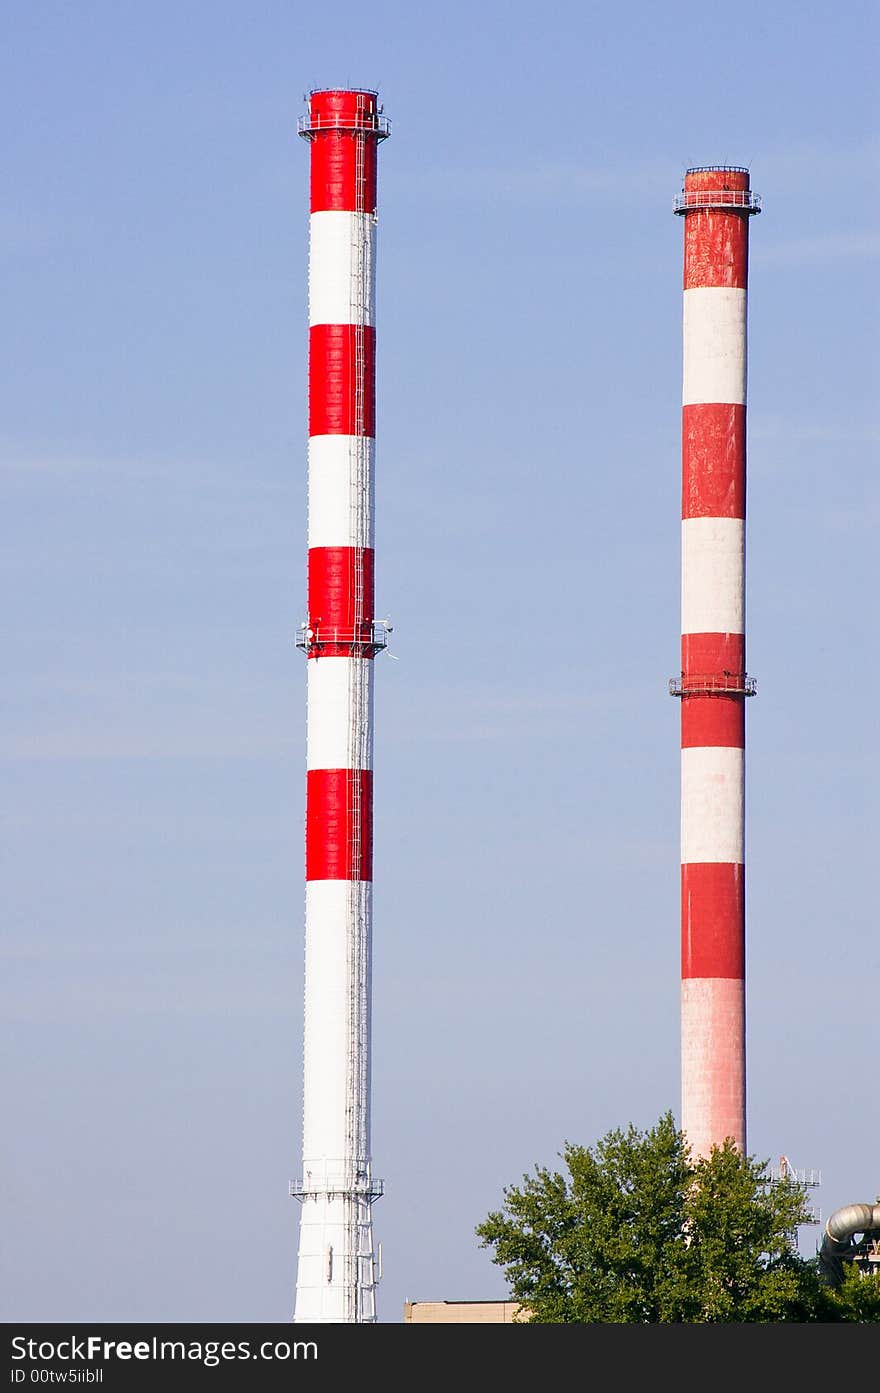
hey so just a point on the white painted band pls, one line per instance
(713, 1062)
(340, 713)
(325, 1263)
(342, 250)
(714, 345)
(713, 576)
(712, 804)
(341, 491)
(336, 916)
(324, 1240)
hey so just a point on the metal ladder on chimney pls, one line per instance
(359, 273)
(359, 1294)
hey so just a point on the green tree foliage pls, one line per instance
(639, 1232)
(857, 1299)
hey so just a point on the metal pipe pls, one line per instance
(837, 1239)
(852, 1218)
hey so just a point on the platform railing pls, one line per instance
(369, 637)
(743, 199)
(713, 684)
(370, 121)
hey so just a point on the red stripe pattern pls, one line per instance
(344, 134)
(707, 661)
(341, 603)
(713, 680)
(712, 920)
(716, 239)
(338, 183)
(335, 1278)
(713, 439)
(339, 824)
(342, 379)
(712, 910)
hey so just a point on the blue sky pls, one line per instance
(152, 454)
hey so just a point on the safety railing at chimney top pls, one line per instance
(371, 121)
(744, 199)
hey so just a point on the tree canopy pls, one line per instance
(638, 1231)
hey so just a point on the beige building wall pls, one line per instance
(460, 1312)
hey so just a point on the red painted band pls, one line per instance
(337, 149)
(339, 824)
(349, 106)
(341, 582)
(342, 379)
(713, 653)
(335, 185)
(717, 178)
(713, 720)
(713, 461)
(713, 920)
(716, 248)
(710, 662)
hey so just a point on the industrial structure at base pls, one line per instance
(464, 1313)
(716, 204)
(337, 1268)
(852, 1235)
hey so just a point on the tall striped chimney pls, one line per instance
(337, 1274)
(716, 204)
